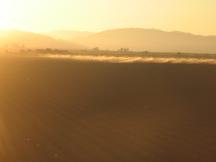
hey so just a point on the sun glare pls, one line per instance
(5, 14)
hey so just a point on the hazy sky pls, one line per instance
(196, 16)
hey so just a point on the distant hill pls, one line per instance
(69, 35)
(13, 38)
(152, 40)
(136, 39)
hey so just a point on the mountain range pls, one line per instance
(136, 39)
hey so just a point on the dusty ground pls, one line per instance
(68, 111)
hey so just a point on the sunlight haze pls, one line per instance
(195, 16)
(107, 80)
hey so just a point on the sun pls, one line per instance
(5, 14)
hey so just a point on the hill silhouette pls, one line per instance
(136, 39)
(14, 38)
(139, 39)
(69, 35)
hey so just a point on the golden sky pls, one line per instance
(196, 16)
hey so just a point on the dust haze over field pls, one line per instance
(61, 110)
(132, 59)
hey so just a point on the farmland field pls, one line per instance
(63, 110)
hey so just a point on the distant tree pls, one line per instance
(124, 50)
(179, 54)
(96, 49)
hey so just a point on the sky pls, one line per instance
(195, 16)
